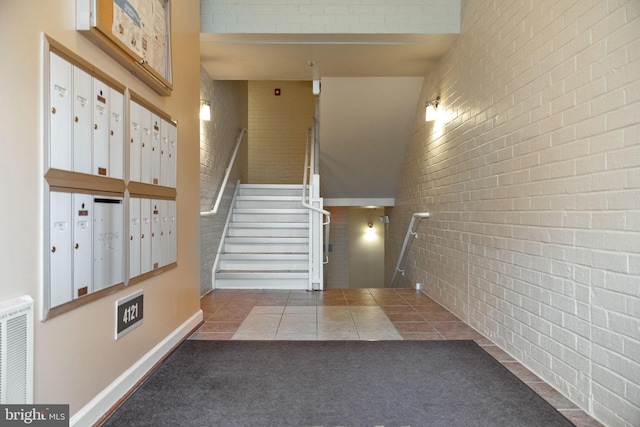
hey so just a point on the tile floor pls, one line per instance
(354, 314)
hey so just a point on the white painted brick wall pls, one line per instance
(217, 140)
(534, 190)
(330, 16)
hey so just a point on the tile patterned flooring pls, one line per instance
(354, 314)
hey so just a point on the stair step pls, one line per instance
(261, 280)
(270, 215)
(264, 261)
(268, 229)
(279, 202)
(270, 190)
(266, 245)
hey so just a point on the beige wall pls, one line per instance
(278, 130)
(217, 142)
(533, 188)
(76, 355)
(366, 248)
(338, 268)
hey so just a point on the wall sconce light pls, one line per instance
(205, 110)
(370, 225)
(431, 109)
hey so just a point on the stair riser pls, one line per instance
(261, 284)
(297, 248)
(268, 232)
(270, 192)
(263, 265)
(262, 217)
(268, 204)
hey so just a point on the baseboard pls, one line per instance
(92, 412)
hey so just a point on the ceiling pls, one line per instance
(370, 89)
(287, 56)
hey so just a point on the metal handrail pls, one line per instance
(305, 181)
(309, 174)
(410, 232)
(227, 172)
(216, 261)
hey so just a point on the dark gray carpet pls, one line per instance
(334, 383)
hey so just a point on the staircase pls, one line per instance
(267, 241)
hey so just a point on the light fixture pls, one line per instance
(205, 110)
(431, 109)
(370, 225)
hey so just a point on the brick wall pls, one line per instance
(338, 267)
(533, 183)
(217, 142)
(278, 130)
(330, 16)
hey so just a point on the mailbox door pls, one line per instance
(108, 247)
(135, 140)
(60, 257)
(145, 147)
(155, 149)
(145, 236)
(156, 248)
(60, 129)
(116, 135)
(82, 244)
(135, 230)
(101, 103)
(82, 121)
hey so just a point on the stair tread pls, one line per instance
(265, 255)
(240, 224)
(267, 239)
(268, 198)
(270, 210)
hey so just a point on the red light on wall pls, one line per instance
(276, 91)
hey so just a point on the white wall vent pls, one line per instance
(16, 351)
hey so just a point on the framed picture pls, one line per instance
(137, 33)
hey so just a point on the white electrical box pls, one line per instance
(108, 242)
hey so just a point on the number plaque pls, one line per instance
(129, 313)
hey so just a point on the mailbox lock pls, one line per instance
(76, 246)
(142, 236)
(95, 126)
(132, 140)
(111, 133)
(130, 237)
(143, 144)
(53, 110)
(53, 249)
(75, 119)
